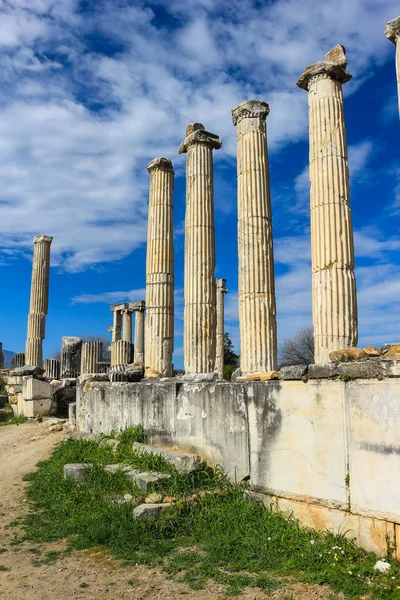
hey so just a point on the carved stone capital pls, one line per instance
(221, 285)
(164, 164)
(196, 134)
(40, 239)
(250, 109)
(333, 66)
(119, 307)
(392, 30)
(140, 306)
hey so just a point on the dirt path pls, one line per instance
(88, 575)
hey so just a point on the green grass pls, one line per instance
(13, 420)
(219, 535)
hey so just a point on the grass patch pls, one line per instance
(213, 532)
(12, 419)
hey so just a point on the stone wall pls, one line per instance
(326, 450)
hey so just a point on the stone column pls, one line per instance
(92, 353)
(70, 356)
(257, 307)
(219, 358)
(51, 368)
(39, 300)
(127, 326)
(334, 300)
(200, 295)
(121, 353)
(159, 328)
(139, 308)
(18, 360)
(117, 323)
(392, 32)
(1, 356)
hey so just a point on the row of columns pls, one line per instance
(334, 302)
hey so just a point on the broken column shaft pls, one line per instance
(91, 354)
(39, 300)
(257, 306)
(392, 32)
(332, 251)
(159, 328)
(199, 285)
(219, 354)
(138, 308)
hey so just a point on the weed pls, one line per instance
(3, 568)
(214, 535)
(3, 550)
(345, 378)
(83, 585)
(13, 420)
(132, 582)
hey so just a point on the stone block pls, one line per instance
(323, 371)
(112, 469)
(347, 354)
(143, 479)
(293, 372)
(76, 471)
(362, 369)
(72, 413)
(180, 460)
(146, 511)
(28, 370)
(390, 368)
(35, 389)
(41, 407)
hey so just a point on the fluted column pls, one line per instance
(159, 328)
(51, 368)
(18, 360)
(392, 32)
(117, 323)
(39, 300)
(200, 295)
(121, 352)
(139, 308)
(127, 326)
(219, 354)
(332, 251)
(257, 306)
(92, 353)
(70, 356)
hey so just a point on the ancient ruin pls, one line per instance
(332, 248)
(200, 294)
(39, 300)
(392, 32)
(257, 311)
(318, 440)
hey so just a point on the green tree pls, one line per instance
(231, 359)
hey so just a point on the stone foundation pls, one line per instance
(325, 449)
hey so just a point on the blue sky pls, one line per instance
(93, 90)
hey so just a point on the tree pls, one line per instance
(231, 359)
(299, 349)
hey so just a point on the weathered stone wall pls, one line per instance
(327, 450)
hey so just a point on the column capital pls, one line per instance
(39, 239)
(221, 285)
(139, 306)
(250, 109)
(196, 134)
(164, 164)
(119, 307)
(333, 66)
(392, 30)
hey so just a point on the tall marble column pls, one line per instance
(219, 355)
(127, 326)
(139, 308)
(159, 328)
(392, 32)
(91, 354)
(257, 306)
(334, 300)
(199, 287)
(39, 300)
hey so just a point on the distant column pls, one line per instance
(92, 353)
(392, 32)
(70, 357)
(121, 352)
(18, 360)
(200, 294)
(332, 250)
(219, 358)
(257, 306)
(159, 328)
(1, 356)
(127, 326)
(39, 300)
(51, 368)
(139, 308)
(117, 323)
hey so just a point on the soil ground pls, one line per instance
(86, 574)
